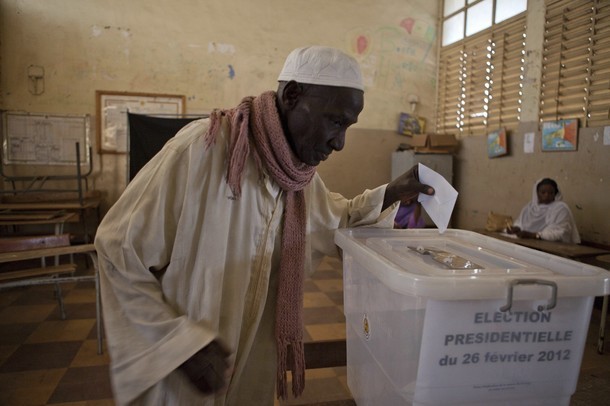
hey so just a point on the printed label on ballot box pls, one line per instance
(473, 350)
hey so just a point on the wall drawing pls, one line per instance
(391, 56)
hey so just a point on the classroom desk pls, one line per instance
(561, 249)
(38, 253)
(57, 219)
(72, 206)
(87, 204)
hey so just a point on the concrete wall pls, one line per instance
(214, 52)
(504, 184)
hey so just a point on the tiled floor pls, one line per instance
(324, 320)
(46, 360)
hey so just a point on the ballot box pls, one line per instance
(460, 318)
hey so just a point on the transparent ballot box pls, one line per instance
(460, 318)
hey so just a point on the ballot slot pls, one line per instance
(445, 257)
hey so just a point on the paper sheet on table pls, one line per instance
(440, 205)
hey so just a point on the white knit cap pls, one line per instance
(320, 65)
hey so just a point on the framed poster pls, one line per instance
(409, 124)
(496, 143)
(112, 108)
(560, 135)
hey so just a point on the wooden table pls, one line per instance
(57, 219)
(69, 206)
(87, 204)
(561, 249)
(38, 253)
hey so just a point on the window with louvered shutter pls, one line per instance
(598, 99)
(508, 44)
(576, 62)
(480, 80)
(449, 89)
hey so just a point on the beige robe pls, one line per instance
(184, 262)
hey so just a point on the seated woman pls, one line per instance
(546, 217)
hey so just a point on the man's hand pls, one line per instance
(208, 369)
(405, 188)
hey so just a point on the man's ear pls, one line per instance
(291, 93)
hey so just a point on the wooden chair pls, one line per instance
(18, 249)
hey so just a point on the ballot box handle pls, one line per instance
(511, 285)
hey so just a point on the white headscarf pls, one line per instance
(554, 221)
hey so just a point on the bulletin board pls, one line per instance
(112, 108)
(44, 139)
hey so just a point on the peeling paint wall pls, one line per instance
(214, 52)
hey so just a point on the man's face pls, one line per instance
(317, 121)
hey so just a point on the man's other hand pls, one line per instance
(208, 368)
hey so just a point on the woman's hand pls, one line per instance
(527, 234)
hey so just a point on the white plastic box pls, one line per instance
(485, 323)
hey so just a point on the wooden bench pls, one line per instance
(21, 219)
(69, 202)
(16, 250)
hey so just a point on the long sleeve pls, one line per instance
(329, 211)
(135, 242)
(560, 226)
(183, 262)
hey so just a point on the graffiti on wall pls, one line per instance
(390, 56)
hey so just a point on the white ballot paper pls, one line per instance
(440, 205)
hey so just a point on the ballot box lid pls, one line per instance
(460, 264)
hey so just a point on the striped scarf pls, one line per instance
(255, 121)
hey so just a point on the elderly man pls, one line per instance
(203, 257)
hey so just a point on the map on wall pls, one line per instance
(112, 108)
(44, 139)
